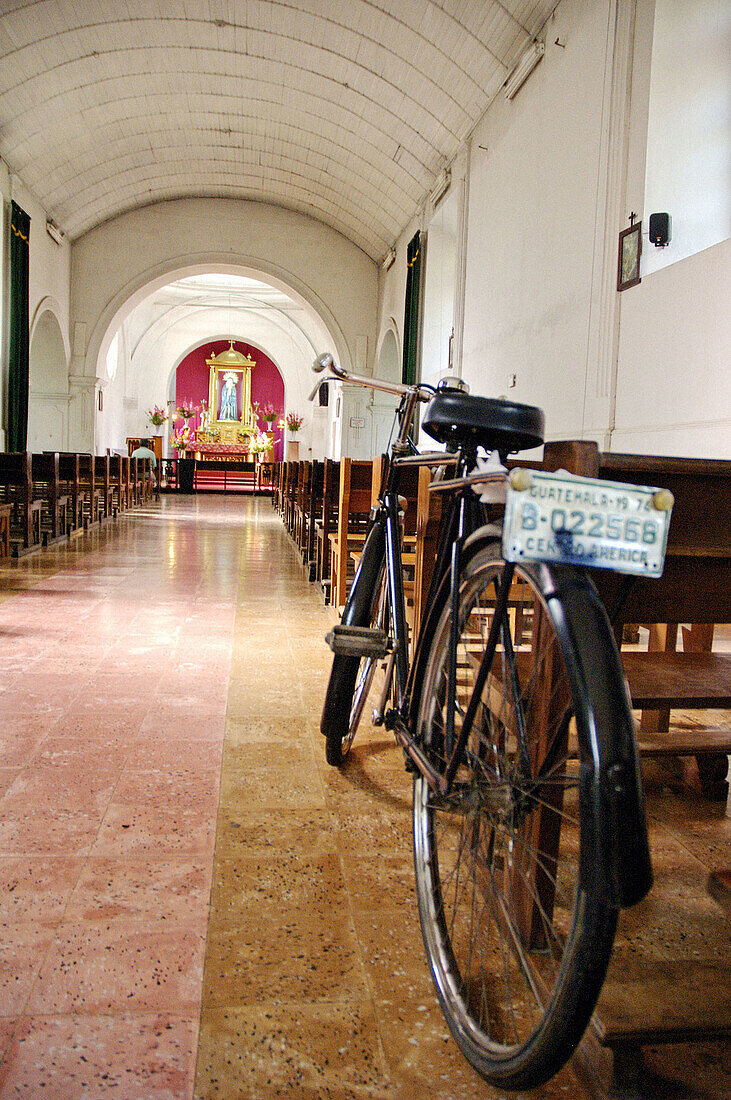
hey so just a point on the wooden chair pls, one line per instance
(355, 499)
(117, 481)
(6, 511)
(92, 497)
(16, 489)
(301, 506)
(56, 504)
(313, 510)
(70, 482)
(325, 523)
(103, 484)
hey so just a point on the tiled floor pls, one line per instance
(182, 878)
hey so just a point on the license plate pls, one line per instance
(582, 521)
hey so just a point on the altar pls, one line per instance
(205, 452)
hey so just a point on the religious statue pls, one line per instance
(229, 409)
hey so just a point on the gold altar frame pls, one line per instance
(229, 431)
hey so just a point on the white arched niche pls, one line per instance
(383, 405)
(48, 383)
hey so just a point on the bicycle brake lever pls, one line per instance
(314, 393)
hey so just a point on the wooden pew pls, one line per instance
(103, 484)
(56, 510)
(118, 481)
(16, 489)
(301, 507)
(325, 523)
(355, 499)
(312, 510)
(6, 511)
(695, 589)
(91, 495)
(70, 482)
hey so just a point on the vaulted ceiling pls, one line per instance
(346, 110)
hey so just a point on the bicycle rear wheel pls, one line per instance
(350, 682)
(517, 948)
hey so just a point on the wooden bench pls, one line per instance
(70, 482)
(325, 523)
(103, 484)
(695, 589)
(355, 499)
(91, 496)
(56, 509)
(16, 489)
(312, 510)
(118, 481)
(6, 511)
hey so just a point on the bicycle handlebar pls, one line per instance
(336, 373)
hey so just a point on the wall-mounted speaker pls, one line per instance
(323, 395)
(660, 230)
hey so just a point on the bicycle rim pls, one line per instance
(518, 951)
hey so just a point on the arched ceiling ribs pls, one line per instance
(343, 111)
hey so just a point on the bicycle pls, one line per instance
(529, 828)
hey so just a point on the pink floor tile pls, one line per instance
(7, 778)
(36, 888)
(108, 968)
(151, 830)
(166, 727)
(164, 789)
(182, 755)
(63, 789)
(22, 950)
(173, 889)
(46, 830)
(131, 1057)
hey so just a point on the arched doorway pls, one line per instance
(48, 396)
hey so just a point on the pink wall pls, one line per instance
(191, 379)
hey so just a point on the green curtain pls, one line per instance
(411, 317)
(18, 356)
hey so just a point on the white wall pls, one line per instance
(674, 381)
(534, 191)
(689, 123)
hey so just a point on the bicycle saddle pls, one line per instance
(504, 426)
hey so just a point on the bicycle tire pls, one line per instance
(351, 677)
(517, 975)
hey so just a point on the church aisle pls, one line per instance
(161, 683)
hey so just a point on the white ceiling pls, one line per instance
(346, 110)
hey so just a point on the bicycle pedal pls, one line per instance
(357, 641)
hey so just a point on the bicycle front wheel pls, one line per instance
(517, 948)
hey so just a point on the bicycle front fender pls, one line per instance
(358, 604)
(615, 847)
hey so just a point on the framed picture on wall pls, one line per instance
(630, 250)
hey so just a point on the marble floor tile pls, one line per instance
(126, 1056)
(304, 1050)
(36, 888)
(107, 968)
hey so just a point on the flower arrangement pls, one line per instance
(157, 416)
(260, 443)
(294, 422)
(269, 413)
(181, 439)
(186, 409)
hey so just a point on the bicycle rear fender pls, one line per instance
(615, 848)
